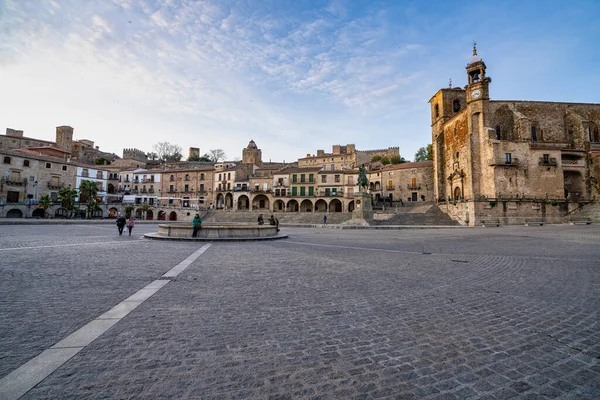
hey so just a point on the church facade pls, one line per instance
(511, 160)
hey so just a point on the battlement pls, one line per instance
(13, 132)
(134, 154)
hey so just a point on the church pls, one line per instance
(511, 160)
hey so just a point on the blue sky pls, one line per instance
(294, 76)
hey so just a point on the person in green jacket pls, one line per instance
(197, 222)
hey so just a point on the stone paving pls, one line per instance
(487, 313)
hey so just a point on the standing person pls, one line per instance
(324, 219)
(130, 224)
(197, 223)
(276, 223)
(120, 224)
(261, 221)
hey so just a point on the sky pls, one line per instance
(294, 76)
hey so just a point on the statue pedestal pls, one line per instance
(362, 207)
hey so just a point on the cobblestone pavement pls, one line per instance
(494, 313)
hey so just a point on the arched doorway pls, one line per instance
(278, 205)
(321, 206)
(457, 193)
(229, 201)
(351, 206)
(243, 202)
(292, 206)
(306, 206)
(111, 188)
(112, 212)
(162, 215)
(139, 213)
(260, 202)
(38, 213)
(220, 201)
(377, 186)
(335, 205)
(149, 215)
(14, 213)
(173, 216)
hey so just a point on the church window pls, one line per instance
(498, 132)
(437, 110)
(534, 133)
(456, 106)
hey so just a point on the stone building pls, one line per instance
(408, 182)
(26, 176)
(186, 188)
(344, 157)
(510, 159)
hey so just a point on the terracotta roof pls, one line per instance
(420, 164)
(49, 147)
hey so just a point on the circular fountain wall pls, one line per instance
(216, 231)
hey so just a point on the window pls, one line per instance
(546, 158)
(219, 176)
(171, 190)
(187, 177)
(337, 178)
(6, 160)
(48, 165)
(436, 110)
(201, 176)
(332, 167)
(323, 178)
(186, 188)
(454, 131)
(311, 191)
(229, 176)
(172, 178)
(507, 158)
(99, 175)
(456, 106)
(201, 187)
(390, 185)
(64, 167)
(26, 163)
(311, 178)
(294, 191)
(294, 178)
(302, 191)
(498, 132)
(534, 133)
(302, 178)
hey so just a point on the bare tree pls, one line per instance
(167, 151)
(215, 155)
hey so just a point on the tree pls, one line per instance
(376, 158)
(397, 160)
(424, 153)
(215, 155)
(167, 152)
(91, 207)
(67, 197)
(152, 156)
(144, 208)
(102, 161)
(385, 160)
(203, 158)
(129, 211)
(45, 203)
(88, 191)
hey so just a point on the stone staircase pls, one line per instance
(590, 210)
(427, 214)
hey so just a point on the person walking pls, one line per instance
(197, 223)
(130, 224)
(121, 224)
(324, 219)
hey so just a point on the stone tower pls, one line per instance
(194, 152)
(64, 138)
(252, 154)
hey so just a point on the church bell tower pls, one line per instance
(478, 86)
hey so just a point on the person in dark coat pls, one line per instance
(121, 221)
(261, 220)
(197, 223)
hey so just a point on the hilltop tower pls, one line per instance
(64, 138)
(252, 154)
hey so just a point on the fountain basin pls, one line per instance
(214, 231)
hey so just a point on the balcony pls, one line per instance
(413, 187)
(10, 181)
(550, 162)
(150, 190)
(241, 189)
(566, 163)
(502, 162)
(390, 187)
(55, 185)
